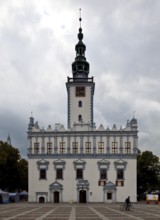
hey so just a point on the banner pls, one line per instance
(151, 197)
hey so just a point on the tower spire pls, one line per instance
(31, 122)
(80, 67)
(9, 140)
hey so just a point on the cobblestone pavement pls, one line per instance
(33, 211)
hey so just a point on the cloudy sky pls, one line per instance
(37, 47)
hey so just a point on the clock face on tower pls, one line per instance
(80, 91)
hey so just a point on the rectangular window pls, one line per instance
(75, 147)
(120, 174)
(62, 147)
(49, 147)
(42, 174)
(100, 147)
(80, 104)
(128, 147)
(59, 174)
(36, 148)
(88, 147)
(103, 174)
(114, 147)
(80, 118)
(79, 173)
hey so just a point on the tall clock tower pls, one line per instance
(80, 89)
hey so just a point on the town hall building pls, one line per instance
(82, 163)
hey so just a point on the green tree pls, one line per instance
(12, 168)
(148, 168)
(23, 174)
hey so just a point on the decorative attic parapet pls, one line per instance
(114, 128)
(59, 127)
(101, 128)
(131, 125)
(49, 128)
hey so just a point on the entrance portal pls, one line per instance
(82, 196)
(56, 197)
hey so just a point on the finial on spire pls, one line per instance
(80, 35)
(80, 19)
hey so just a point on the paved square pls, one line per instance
(64, 211)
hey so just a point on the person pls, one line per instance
(127, 201)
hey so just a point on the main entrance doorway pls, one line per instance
(82, 196)
(56, 197)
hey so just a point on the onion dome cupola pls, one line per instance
(80, 67)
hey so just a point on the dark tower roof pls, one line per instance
(80, 67)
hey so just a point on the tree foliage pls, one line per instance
(13, 169)
(148, 168)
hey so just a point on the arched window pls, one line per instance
(80, 104)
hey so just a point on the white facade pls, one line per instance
(82, 163)
(70, 191)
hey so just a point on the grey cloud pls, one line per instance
(122, 40)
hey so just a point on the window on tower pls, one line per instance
(80, 104)
(80, 118)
